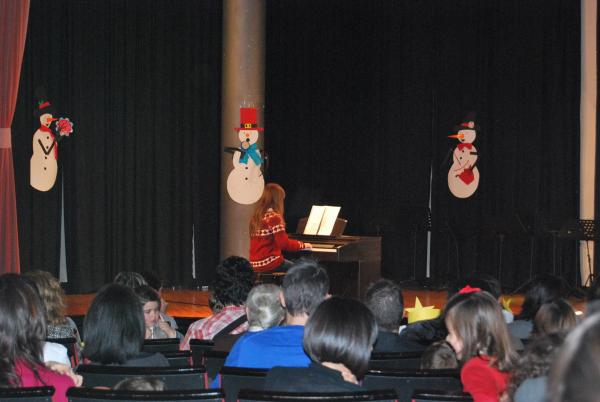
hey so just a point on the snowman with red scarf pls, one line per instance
(463, 177)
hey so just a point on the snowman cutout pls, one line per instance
(463, 176)
(245, 183)
(43, 164)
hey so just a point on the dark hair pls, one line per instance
(574, 373)
(152, 279)
(384, 299)
(341, 331)
(147, 294)
(536, 359)
(140, 384)
(556, 316)
(22, 328)
(130, 279)
(114, 326)
(233, 280)
(478, 321)
(481, 280)
(543, 289)
(439, 355)
(304, 286)
(593, 297)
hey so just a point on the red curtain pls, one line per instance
(13, 28)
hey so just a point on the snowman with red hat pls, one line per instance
(463, 176)
(245, 183)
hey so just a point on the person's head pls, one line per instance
(341, 331)
(543, 289)
(150, 302)
(130, 279)
(233, 280)
(114, 326)
(272, 197)
(556, 316)
(439, 355)
(476, 327)
(140, 384)
(52, 295)
(304, 287)
(575, 371)
(22, 327)
(152, 279)
(384, 299)
(593, 298)
(536, 359)
(263, 307)
(481, 280)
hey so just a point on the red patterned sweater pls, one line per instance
(267, 243)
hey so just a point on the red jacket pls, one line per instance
(267, 243)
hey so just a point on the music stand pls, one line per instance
(582, 230)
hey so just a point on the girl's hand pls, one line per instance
(166, 328)
(65, 370)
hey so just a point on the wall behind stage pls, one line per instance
(360, 98)
(141, 81)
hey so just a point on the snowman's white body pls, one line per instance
(245, 183)
(464, 159)
(43, 166)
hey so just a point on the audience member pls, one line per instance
(384, 299)
(575, 373)
(593, 298)
(140, 384)
(233, 280)
(488, 283)
(156, 327)
(338, 337)
(263, 310)
(114, 330)
(155, 283)
(22, 334)
(439, 355)
(529, 376)
(479, 336)
(556, 316)
(543, 289)
(132, 280)
(304, 287)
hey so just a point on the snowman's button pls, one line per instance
(246, 167)
(44, 168)
(47, 138)
(245, 178)
(45, 157)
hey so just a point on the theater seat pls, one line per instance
(33, 394)
(103, 395)
(253, 395)
(233, 379)
(198, 348)
(179, 358)
(161, 345)
(401, 360)
(440, 396)
(175, 378)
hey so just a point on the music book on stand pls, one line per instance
(321, 220)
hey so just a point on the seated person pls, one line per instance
(155, 283)
(439, 355)
(304, 286)
(556, 316)
(339, 337)
(114, 330)
(132, 280)
(384, 299)
(140, 384)
(263, 310)
(233, 280)
(156, 327)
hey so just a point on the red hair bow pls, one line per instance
(468, 289)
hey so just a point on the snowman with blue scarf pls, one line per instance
(245, 183)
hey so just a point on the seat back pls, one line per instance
(401, 360)
(175, 378)
(253, 395)
(103, 395)
(72, 348)
(440, 396)
(214, 360)
(179, 358)
(161, 345)
(406, 381)
(33, 394)
(198, 347)
(235, 378)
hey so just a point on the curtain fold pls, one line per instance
(13, 29)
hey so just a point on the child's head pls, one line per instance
(140, 384)
(150, 301)
(476, 327)
(556, 316)
(439, 355)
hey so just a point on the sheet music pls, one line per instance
(329, 217)
(314, 220)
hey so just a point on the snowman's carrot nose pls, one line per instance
(459, 136)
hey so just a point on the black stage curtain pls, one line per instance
(360, 99)
(141, 81)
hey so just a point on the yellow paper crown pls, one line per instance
(420, 313)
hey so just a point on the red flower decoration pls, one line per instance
(64, 126)
(468, 289)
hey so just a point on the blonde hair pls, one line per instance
(478, 322)
(272, 198)
(264, 307)
(52, 295)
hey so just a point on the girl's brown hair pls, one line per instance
(478, 322)
(272, 197)
(52, 295)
